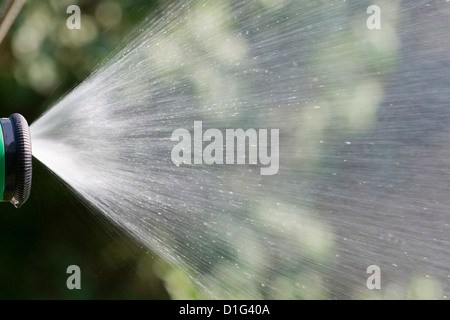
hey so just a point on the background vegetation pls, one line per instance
(41, 60)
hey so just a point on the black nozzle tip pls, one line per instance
(18, 159)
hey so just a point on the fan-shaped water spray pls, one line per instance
(362, 117)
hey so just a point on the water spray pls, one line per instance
(15, 160)
(363, 171)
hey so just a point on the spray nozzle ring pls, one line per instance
(15, 160)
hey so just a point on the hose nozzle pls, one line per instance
(15, 160)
